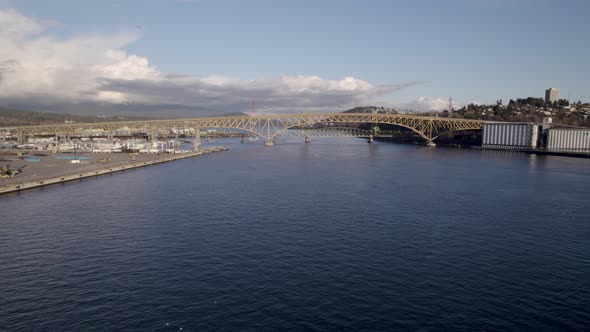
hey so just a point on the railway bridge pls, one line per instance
(268, 127)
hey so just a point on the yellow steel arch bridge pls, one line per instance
(268, 127)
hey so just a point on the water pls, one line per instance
(334, 235)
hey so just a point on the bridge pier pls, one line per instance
(197, 141)
(20, 137)
(153, 137)
(370, 141)
(269, 143)
(307, 139)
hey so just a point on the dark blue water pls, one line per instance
(334, 235)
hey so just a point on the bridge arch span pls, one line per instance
(323, 121)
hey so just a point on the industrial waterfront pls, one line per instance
(140, 143)
(336, 234)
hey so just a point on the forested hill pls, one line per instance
(14, 117)
(372, 110)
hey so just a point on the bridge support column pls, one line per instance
(370, 141)
(197, 141)
(152, 135)
(307, 139)
(269, 143)
(430, 143)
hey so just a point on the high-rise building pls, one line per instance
(551, 95)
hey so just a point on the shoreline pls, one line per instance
(468, 146)
(543, 152)
(38, 183)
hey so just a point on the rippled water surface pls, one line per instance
(336, 234)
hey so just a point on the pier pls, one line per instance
(82, 171)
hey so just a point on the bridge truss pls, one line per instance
(336, 132)
(267, 127)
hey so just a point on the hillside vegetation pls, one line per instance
(14, 117)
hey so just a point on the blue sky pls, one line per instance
(414, 53)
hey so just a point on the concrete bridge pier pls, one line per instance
(307, 139)
(153, 137)
(197, 141)
(370, 141)
(20, 137)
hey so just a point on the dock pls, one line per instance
(17, 184)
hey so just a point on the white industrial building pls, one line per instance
(568, 140)
(510, 136)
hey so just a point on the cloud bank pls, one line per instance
(432, 104)
(427, 104)
(38, 67)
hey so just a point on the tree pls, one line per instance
(563, 102)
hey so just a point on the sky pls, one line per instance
(289, 56)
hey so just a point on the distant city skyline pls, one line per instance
(290, 55)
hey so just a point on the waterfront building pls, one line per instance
(568, 140)
(510, 135)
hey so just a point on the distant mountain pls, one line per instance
(372, 110)
(10, 117)
(88, 108)
(16, 117)
(233, 114)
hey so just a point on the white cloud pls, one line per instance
(14, 24)
(427, 104)
(32, 63)
(35, 64)
(432, 104)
